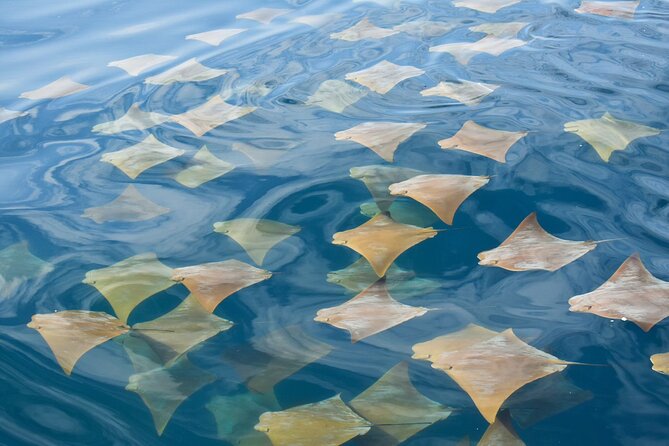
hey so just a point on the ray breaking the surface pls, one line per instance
(264, 15)
(137, 65)
(619, 9)
(188, 71)
(489, 6)
(202, 168)
(59, 88)
(469, 93)
(130, 206)
(213, 113)
(383, 138)
(134, 119)
(215, 37)
(335, 95)
(383, 76)
(363, 30)
(142, 156)
(660, 363)
(236, 415)
(256, 236)
(475, 138)
(378, 178)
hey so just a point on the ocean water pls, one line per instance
(572, 66)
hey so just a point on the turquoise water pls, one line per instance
(573, 66)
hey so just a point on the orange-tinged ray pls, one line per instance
(381, 137)
(363, 30)
(485, 141)
(660, 363)
(213, 113)
(130, 206)
(623, 10)
(501, 433)
(142, 156)
(378, 178)
(469, 93)
(460, 340)
(383, 76)
(256, 236)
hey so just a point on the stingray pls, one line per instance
(382, 240)
(8, 115)
(264, 15)
(336, 96)
(63, 86)
(189, 71)
(623, 10)
(381, 137)
(396, 406)
(142, 156)
(134, 119)
(17, 264)
(490, 6)
(372, 311)
(130, 206)
(443, 194)
(216, 36)
(136, 65)
(469, 93)
(128, 283)
(213, 113)
(318, 20)
(383, 76)
(484, 141)
(202, 168)
(378, 178)
(326, 423)
(425, 28)
(407, 212)
(631, 293)
(211, 283)
(505, 30)
(489, 366)
(530, 247)
(501, 432)
(164, 389)
(236, 415)
(261, 158)
(660, 363)
(256, 236)
(608, 134)
(463, 52)
(70, 334)
(362, 30)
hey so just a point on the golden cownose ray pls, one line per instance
(396, 406)
(505, 30)
(382, 240)
(130, 206)
(236, 416)
(134, 119)
(383, 76)
(377, 178)
(261, 158)
(136, 65)
(484, 141)
(17, 263)
(203, 168)
(326, 423)
(211, 283)
(501, 433)
(469, 93)
(530, 247)
(490, 6)
(164, 389)
(489, 366)
(372, 311)
(463, 52)
(443, 194)
(63, 86)
(336, 96)
(131, 281)
(608, 134)
(660, 363)
(425, 28)
(631, 293)
(256, 236)
(142, 156)
(362, 30)
(189, 71)
(211, 114)
(407, 212)
(381, 137)
(216, 36)
(70, 334)
(620, 9)
(263, 15)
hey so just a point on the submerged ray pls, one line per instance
(136, 65)
(142, 156)
(378, 178)
(382, 240)
(261, 158)
(407, 212)
(501, 432)
(443, 194)
(530, 247)
(134, 119)
(189, 71)
(631, 293)
(8, 115)
(469, 93)
(213, 113)
(18, 264)
(463, 52)
(263, 15)
(326, 423)
(336, 96)
(216, 36)
(490, 6)
(362, 30)
(236, 415)
(202, 168)
(256, 236)
(318, 20)
(141, 353)
(383, 76)
(504, 30)
(608, 134)
(425, 28)
(131, 281)
(619, 9)
(484, 141)
(130, 206)
(63, 86)
(660, 363)
(381, 137)
(70, 334)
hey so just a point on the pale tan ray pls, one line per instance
(631, 293)
(8, 115)
(501, 433)
(608, 134)
(484, 141)
(396, 406)
(530, 247)
(189, 71)
(256, 236)
(489, 6)
(128, 283)
(492, 369)
(425, 28)
(505, 30)
(382, 240)
(623, 10)
(130, 206)
(383, 76)
(264, 15)
(17, 264)
(660, 363)
(216, 36)
(458, 341)
(202, 168)
(211, 283)
(469, 93)
(63, 86)
(213, 113)
(326, 423)
(336, 96)
(134, 119)
(372, 311)
(443, 194)
(70, 334)
(464, 51)
(142, 156)
(381, 137)
(362, 30)
(236, 415)
(378, 178)
(136, 65)
(165, 388)
(261, 158)
(318, 20)
(406, 211)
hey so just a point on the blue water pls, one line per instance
(574, 66)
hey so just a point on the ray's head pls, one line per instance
(580, 304)
(485, 259)
(222, 226)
